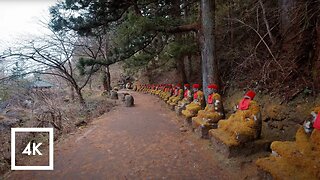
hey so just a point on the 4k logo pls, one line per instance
(35, 149)
(32, 148)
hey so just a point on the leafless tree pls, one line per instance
(95, 50)
(54, 55)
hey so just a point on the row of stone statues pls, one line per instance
(207, 115)
(207, 118)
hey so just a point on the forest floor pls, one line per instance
(141, 142)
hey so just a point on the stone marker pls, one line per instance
(114, 95)
(129, 101)
(122, 96)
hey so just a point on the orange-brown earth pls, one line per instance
(142, 142)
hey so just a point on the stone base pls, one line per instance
(264, 175)
(244, 149)
(178, 110)
(188, 122)
(203, 131)
(172, 107)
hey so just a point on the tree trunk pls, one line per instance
(176, 12)
(90, 84)
(210, 71)
(108, 77)
(71, 92)
(106, 81)
(181, 69)
(315, 70)
(316, 62)
(285, 14)
(188, 60)
(80, 97)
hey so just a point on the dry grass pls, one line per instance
(48, 109)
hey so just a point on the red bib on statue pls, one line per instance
(210, 99)
(195, 95)
(185, 93)
(244, 104)
(316, 123)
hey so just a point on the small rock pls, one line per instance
(81, 123)
(182, 129)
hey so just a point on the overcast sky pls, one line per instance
(19, 19)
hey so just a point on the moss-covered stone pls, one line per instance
(193, 108)
(242, 127)
(298, 159)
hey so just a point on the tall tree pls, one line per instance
(286, 7)
(210, 69)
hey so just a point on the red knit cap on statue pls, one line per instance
(187, 85)
(196, 86)
(213, 86)
(251, 94)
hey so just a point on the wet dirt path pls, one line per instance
(141, 142)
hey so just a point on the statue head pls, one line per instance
(186, 86)
(212, 88)
(250, 95)
(178, 86)
(196, 87)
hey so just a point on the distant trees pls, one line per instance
(53, 55)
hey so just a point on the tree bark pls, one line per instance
(181, 69)
(90, 84)
(188, 60)
(80, 97)
(286, 7)
(106, 80)
(176, 13)
(315, 70)
(210, 71)
(316, 62)
(71, 92)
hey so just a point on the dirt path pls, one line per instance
(142, 142)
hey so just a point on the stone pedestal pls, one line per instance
(220, 143)
(203, 131)
(178, 110)
(188, 122)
